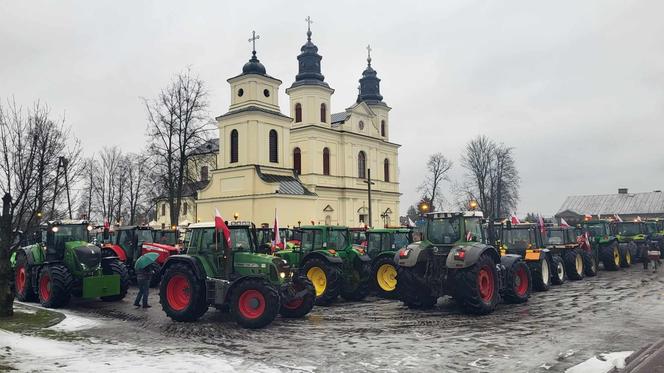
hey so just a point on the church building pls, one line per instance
(311, 165)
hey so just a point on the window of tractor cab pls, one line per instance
(555, 237)
(241, 239)
(68, 233)
(204, 240)
(144, 235)
(628, 229)
(474, 227)
(311, 240)
(167, 238)
(373, 242)
(401, 240)
(517, 238)
(337, 239)
(444, 231)
(596, 229)
(651, 228)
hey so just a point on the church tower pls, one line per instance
(310, 94)
(370, 94)
(254, 131)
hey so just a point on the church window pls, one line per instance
(297, 160)
(240, 92)
(234, 146)
(382, 128)
(204, 173)
(361, 125)
(163, 209)
(274, 147)
(362, 165)
(323, 113)
(386, 169)
(266, 92)
(185, 208)
(326, 161)
(298, 113)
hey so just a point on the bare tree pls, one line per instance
(437, 168)
(504, 182)
(138, 173)
(177, 124)
(106, 182)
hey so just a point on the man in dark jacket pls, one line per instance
(143, 277)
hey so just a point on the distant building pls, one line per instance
(627, 205)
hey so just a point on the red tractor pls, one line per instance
(131, 242)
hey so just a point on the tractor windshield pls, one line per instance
(167, 238)
(444, 231)
(401, 240)
(144, 235)
(651, 227)
(311, 239)
(628, 229)
(241, 239)
(660, 225)
(517, 238)
(596, 229)
(555, 237)
(337, 239)
(69, 233)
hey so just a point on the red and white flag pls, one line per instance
(638, 219)
(540, 222)
(514, 219)
(617, 217)
(220, 225)
(276, 241)
(469, 236)
(563, 223)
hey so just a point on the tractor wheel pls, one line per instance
(384, 274)
(300, 307)
(55, 283)
(519, 282)
(24, 290)
(589, 263)
(326, 279)
(558, 270)
(476, 287)
(254, 303)
(573, 264)
(181, 294)
(611, 257)
(541, 274)
(116, 267)
(625, 256)
(412, 290)
(358, 284)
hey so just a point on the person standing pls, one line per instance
(143, 277)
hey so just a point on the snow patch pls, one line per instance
(603, 363)
(72, 323)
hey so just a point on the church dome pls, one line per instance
(369, 85)
(254, 66)
(309, 70)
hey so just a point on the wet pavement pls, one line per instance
(615, 311)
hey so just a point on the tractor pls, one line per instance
(170, 237)
(632, 240)
(254, 287)
(525, 240)
(655, 234)
(328, 258)
(382, 244)
(63, 263)
(604, 244)
(265, 236)
(562, 241)
(133, 241)
(454, 260)
(358, 236)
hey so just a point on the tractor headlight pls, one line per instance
(282, 275)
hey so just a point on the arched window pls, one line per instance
(163, 209)
(274, 147)
(234, 146)
(185, 208)
(204, 173)
(386, 169)
(297, 160)
(326, 161)
(298, 113)
(362, 165)
(382, 128)
(323, 113)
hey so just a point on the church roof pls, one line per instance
(288, 184)
(309, 70)
(209, 146)
(252, 108)
(339, 117)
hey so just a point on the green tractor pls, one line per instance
(454, 260)
(382, 245)
(604, 244)
(254, 287)
(562, 241)
(328, 258)
(632, 241)
(655, 233)
(63, 263)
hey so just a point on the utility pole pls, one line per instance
(369, 183)
(62, 164)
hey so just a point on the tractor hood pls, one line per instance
(87, 254)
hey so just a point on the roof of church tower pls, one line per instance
(370, 84)
(309, 70)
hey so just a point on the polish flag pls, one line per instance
(220, 225)
(277, 238)
(563, 223)
(540, 222)
(514, 219)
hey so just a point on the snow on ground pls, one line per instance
(73, 323)
(36, 354)
(603, 363)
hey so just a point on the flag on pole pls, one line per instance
(411, 223)
(638, 219)
(220, 225)
(617, 218)
(563, 223)
(276, 240)
(540, 222)
(514, 219)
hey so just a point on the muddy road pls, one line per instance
(615, 311)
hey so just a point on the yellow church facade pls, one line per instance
(310, 165)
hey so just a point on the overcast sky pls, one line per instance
(576, 87)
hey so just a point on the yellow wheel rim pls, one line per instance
(579, 264)
(616, 256)
(317, 277)
(386, 277)
(628, 257)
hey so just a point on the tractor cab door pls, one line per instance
(312, 239)
(127, 241)
(209, 245)
(374, 243)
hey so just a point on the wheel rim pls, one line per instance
(628, 257)
(317, 276)
(616, 256)
(521, 281)
(578, 263)
(295, 303)
(387, 277)
(178, 292)
(560, 271)
(485, 283)
(546, 276)
(252, 304)
(20, 279)
(45, 287)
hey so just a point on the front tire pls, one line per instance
(589, 263)
(477, 286)
(116, 267)
(519, 283)
(413, 291)
(558, 270)
(357, 287)
(384, 275)
(611, 257)
(22, 280)
(181, 294)
(298, 308)
(254, 303)
(625, 256)
(55, 283)
(541, 274)
(326, 279)
(573, 264)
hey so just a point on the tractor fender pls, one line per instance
(509, 260)
(191, 261)
(28, 254)
(472, 254)
(118, 251)
(385, 254)
(330, 259)
(409, 255)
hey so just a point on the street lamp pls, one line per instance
(473, 204)
(236, 215)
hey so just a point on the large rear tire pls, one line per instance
(590, 265)
(384, 275)
(116, 267)
(55, 284)
(573, 264)
(254, 303)
(300, 307)
(326, 279)
(558, 267)
(519, 282)
(476, 287)
(412, 290)
(541, 274)
(23, 280)
(181, 294)
(610, 256)
(625, 256)
(357, 286)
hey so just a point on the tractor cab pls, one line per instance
(562, 237)
(628, 231)
(387, 240)
(358, 236)
(60, 236)
(166, 236)
(598, 230)
(520, 239)
(650, 228)
(243, 237)
(131, 239)
(265, 236)
(449, 229)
